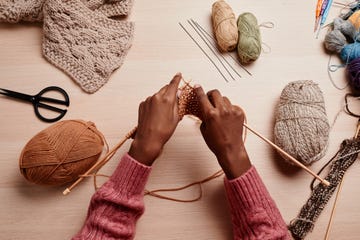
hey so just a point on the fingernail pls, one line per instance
(197, 86)
(178, 74)
(178, 93)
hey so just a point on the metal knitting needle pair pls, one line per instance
(211, 44)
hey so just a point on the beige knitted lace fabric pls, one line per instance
(79, 37)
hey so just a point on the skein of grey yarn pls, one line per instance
(345, 27)
(301, 125)
(335, 40)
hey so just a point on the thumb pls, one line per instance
(204, 103)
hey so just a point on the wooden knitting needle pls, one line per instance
(333, 210)
(102, 162)
(323, 181)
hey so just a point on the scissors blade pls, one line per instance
(52, 108)
(53, 100)
(16, 95)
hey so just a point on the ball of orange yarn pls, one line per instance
(355, 20)
(224, 26)
(61, 152)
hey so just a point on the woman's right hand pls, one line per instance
(158, 118)
(222, 129)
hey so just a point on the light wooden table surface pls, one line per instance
(160, 49)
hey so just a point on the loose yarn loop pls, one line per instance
(249, 45)
(320, 195)
(155, 193)
(188, 105)
(61, 152)
(301, 125)
(224, 25)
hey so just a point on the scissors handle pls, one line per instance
(38, 100)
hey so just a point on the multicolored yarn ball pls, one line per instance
(61, 153)
(249, 45)
(224, 26)
(301, 125)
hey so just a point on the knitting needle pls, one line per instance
(317, 14)
(323, 181)
(209, 36)
(333, 210)
(324, 13)
(207, 41)
(102, 162)
(209, 46)
(187, 32)
(338, 193)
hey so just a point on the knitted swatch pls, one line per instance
(14, 11)
(301, 125)
(321, 194)
(79, 38)
(188, 102)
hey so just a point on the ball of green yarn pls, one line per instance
(249, 44)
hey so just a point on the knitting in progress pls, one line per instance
(79, 37)
(320, 195)
(188, 105)
(188, 101)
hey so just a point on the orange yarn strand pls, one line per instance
(154, 193)
(99, 164)
(188, 105)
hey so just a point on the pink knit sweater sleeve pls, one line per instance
(254, 213)
(118, 204)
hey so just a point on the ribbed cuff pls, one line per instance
(130, 176)
(246, 191)
(116, 8)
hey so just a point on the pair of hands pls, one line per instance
(221, 127)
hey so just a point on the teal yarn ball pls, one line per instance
(249, 44)
(350, 52)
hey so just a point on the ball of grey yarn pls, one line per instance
(345, 27)
(301, 125)
(335, 41)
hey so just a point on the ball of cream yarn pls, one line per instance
(62, 152)
(224, 26)
(301, 125)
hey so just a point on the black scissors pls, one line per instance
(38, 99)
